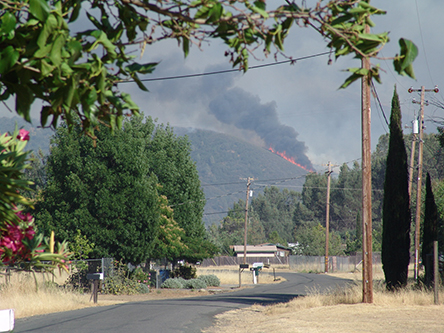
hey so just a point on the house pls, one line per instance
(262, 250)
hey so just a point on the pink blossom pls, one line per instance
(24, 217)
(23, 135)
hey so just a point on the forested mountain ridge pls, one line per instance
(224, 164)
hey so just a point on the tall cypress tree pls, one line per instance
(396, 206)
(430, 231)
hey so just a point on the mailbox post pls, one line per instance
(257, 266)
(96, 277)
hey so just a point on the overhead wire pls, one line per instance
(291, 61)
(376, 96)
(422, 42)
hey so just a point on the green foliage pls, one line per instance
(80, 246)
(173, 283)
(396, 207)
(186, 272)
(180, 283)
(274, 238)
(120, 193)
(429, 233)
(12, 163)
(76, 74)
(210, 280)
(77, 280)
(107, 191)
(124, 282)
(311, 239)
(195, 284)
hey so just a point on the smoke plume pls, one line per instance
(244, 110)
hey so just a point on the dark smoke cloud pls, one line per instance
(243, 110)
(212, 102)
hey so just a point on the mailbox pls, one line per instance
(95, 276)
(259, 265)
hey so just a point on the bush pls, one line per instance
(210, 280)
(140, 276)
(186, 272)
(124, 282)
(175, 283)
(142, 288)
(195, 284)
(120, 285)
(78, 281)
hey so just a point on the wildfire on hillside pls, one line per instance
(289, 159)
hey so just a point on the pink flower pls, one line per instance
(23, 135)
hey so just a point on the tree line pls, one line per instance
(285, 216)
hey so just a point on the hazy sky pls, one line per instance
(303, 96)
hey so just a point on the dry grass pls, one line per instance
(229, 275)
(22, 296)
(341, 311)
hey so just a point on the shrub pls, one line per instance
(195, 284)
(186, 272)
(124, 282)
(142, 288)
(78, 281)
(140, 276)
(210, 280)
(120, 285)
(174, 283)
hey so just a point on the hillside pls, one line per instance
(224, 163)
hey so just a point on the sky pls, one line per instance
(304, 96)
(300, 101)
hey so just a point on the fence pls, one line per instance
(298, 263)
(235, 261)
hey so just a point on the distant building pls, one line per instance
(262, 250)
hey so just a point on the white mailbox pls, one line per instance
(258, 265)
(6, 320)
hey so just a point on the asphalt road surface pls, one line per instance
(187, 315)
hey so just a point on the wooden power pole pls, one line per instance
(327, 216)
(419, 179)
(415, 129)
(246, 220)
(367, 255)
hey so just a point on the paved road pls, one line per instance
(187, 315)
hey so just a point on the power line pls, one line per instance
(291, 61)
(422, 42)
(375, 95)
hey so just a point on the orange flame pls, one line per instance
(289, 159)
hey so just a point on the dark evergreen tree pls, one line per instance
(120, 193)
(430, 231)
(396, 206)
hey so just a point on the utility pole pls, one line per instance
(246, 220)
(419, 179)
(412, 153)
(327, 216)
(245, 265)
(367, 255)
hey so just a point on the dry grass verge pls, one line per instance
(341, 311)
(229, 275)
(22, 296)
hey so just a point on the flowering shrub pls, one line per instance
(20, 246)
(126, 283)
